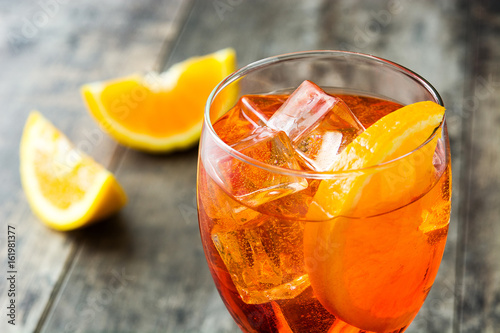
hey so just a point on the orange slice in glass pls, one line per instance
(374, 271)
(395, 135)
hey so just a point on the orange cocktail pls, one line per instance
(320, 210)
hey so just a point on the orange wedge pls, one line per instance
(65, 188)
(160, 112)
(374, 271)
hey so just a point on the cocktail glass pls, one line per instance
(285, 259)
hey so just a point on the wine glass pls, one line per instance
(298, 250)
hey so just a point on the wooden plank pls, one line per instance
(256, 29)
(47, 50)
(477, 306)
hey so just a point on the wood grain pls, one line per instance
(47, 50)
(478, 307)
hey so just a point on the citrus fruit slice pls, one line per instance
(65, 188)
(374, 271)
(160, 112)
(395, 135)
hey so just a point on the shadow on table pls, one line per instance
(176, 154)
(110, 235)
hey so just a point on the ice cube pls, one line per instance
(295, 206)
(320, 146)
(220, 207)
(265, 261)
(253, 185)
(259, 108)
(319, 125)
(305, 107)
(233, 126)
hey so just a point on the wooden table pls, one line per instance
(144, 270)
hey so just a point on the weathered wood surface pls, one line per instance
(47, 50)
(478, 265)
(144, 270)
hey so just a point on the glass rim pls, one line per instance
(308, 54)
